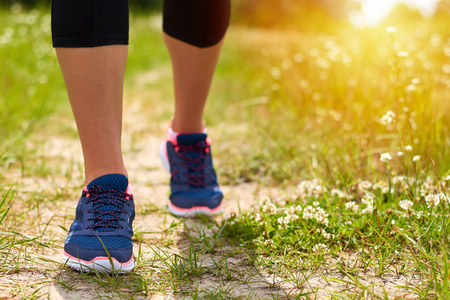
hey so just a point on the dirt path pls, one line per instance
(59, 161)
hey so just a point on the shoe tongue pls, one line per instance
(116, 182)
(191, 139)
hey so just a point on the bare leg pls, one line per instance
(193, 69)
(94, 80)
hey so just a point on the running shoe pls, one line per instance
(100, 236)
(193, 183)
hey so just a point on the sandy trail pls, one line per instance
(42, 273)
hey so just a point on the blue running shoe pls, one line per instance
(103, 220)
(193, 182)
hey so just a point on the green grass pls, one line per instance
(298, 112)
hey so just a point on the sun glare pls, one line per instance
(375, 10)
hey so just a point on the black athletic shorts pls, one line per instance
(92, 23)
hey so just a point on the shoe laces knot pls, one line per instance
(107, 206)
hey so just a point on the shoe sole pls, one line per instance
(194, 211)
(186, 212)
(100, 264)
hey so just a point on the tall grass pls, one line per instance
(313, 104)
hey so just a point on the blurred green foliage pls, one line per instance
(136, 5)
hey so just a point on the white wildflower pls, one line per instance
(268, 242)
(291, 218)
(399, 153)
(447, 178)
(258, 218)
(370, 204)
(284, 222)
(328, 236)
(388, 118)
(319, 248)
(419, 214)
(269, 208)
(348, 223)
(377, 186)
(364, 185)
(432, 200)
(416, 158)
(385, 157)
(316, 213)
(367, 199)
(310, 188)
(408, 148)
(352, 206)
(406, 205)
(292, 210)
(337, 193)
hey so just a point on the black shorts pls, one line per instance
(92, 23)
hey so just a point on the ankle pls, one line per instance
(187, 126)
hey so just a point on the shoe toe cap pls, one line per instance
(122, 255)
(199, 198)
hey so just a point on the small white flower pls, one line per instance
(316, 213)
(432, 200)
(416, 158)
(388, 118)
(408, 148)
(268, 242)
(352, 206)
(365, 185)
(447, 178)
(284, 222)
(258, 218)
(293, 210)
(337, 193)
(385, 157)
(327, 236)
(348, 223)
(269, 208)
(406, 205)
(370, 204)
(368, 210)
(319, 248)
(393, 222)
(399, 153)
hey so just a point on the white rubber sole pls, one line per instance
(185, 212)
(99, 264)
(194, 211)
